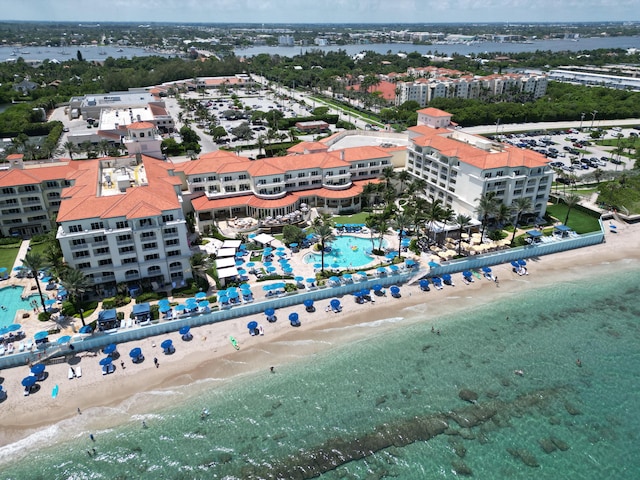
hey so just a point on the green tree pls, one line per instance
(76, 284)
(292, 234)
(486, 208)
(325, 237)
(400, 223)
(519, 206)
(34, 262)
(570, 201)
(463, 222)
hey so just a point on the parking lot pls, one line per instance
(573, 151)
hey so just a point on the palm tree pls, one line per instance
(400, 222)
(383, 226)
(371, 222)
(76, 283)
(463, 222)
(34, 262)
(368, 191)
(103, 147)
(404, 177)
(260, 143)
(502, 214)
(433, 213)
(325, 235)
(571, 201)
(387, 175)
(518, 207)
(486, 208)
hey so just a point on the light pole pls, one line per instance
(497, 126)
(581, 120)
(593, 118)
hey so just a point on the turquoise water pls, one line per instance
(11, 299)
(382, 394)
(347, 251)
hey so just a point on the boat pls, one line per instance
(120, 50)
(234, 342)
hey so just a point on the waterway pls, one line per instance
(461, 48)
(62, 54)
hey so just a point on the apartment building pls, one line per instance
(222, 184)
(459, 168)
(29, 197)
(443, 83)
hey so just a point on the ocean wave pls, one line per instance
(373, 324)
(302, 343)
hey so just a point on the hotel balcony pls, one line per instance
(270, 196)
(336, 186)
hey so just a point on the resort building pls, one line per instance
(30, 197)
(459, 168)
(223, 185)
(122, 219)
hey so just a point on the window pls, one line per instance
(105, 261)
(97, 225)
(78, 241)
(99, 238)
(170, 231)
(80, 254)
(167, 218)
(124, 224)
(32, 199)
(75, 228)
(52, 184)
(315, 173)
(213, 188)
(303, 184)
(123, 238)
(227, 178)
(101, 251)
(242, 176)
(10, 211)
(173, 241)
(84, 265)
(244, 187)
(129, 260)
(198, 189)
(212, 179)
(499, 173)
(302, 174)
(53, 195)
(146, 222)
(8, 191)
(196, 180)
(173, 253)
(149, 246)
(230, 188)
(126, 249)
(153, 256)
(147, 235)
(29, 188)
(11, 201)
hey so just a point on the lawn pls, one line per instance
(579, 221)
(8, 256)
(355, 218)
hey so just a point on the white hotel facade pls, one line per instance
(459, 168)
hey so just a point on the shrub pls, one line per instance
(44, 316)
(109, 303)
(155, 312)
(148, 296)
(10, 240)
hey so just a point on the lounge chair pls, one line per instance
(78, 372)
(21, 347)
(29, 344)
(2, 350)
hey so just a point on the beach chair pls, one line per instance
(78, 372)
(21, 347)
(2, 350)
(70, 374)
(29, 344)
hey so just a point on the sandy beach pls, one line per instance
(210, 357)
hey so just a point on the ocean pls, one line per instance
(382, 399)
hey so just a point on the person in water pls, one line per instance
(578, 363)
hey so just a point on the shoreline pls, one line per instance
(209, 357)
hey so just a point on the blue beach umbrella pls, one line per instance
(288, 270)
(41, 335)
(86, 329)
(514, 263)
(310, 280)
(164, 308)
(391, 255)
(135, 352)
(184, 330)
(299, 278)
(335, 303)
(109, 349)
(293, 317)
(334, 279)
(269, 312)
(394, 289)
(308, 303)
(239, 262)
(242, 271)
(200, 295)
(424, 283)
(446, 277)
(486, 269)
(38, 369)
(381, 270)
(223, 299)
(203, 304)
(294, 244)
(253, 235)
(317, 266)
(283, 260)
(466, 274)
(377, 287)
(271, 269)
(163, 301)
(166, 343)
(64, 339)
(180, 308)
(436, 280)
(522, 263)
(49, 302)
(267, 264)
(394, 268)
(252, 325)
(106, 361)
(251, 264)
(29, 381)
(335, 265)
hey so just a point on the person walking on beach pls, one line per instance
(122, 364)
(496, 280)
(92, 437)
(155, 362)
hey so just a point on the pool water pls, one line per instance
(347, 251)
(10, 298)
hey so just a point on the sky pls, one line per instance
(320, 11)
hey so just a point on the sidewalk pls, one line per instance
(24, 249)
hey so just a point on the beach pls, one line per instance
(209, 361)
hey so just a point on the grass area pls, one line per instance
(622, 194)
(355, 218)
(356, 113)
(39, 248)
(579, 221)
(8, 256)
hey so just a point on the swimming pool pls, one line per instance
(10, 298)
(347, 252)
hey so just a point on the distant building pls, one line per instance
(285, 41)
